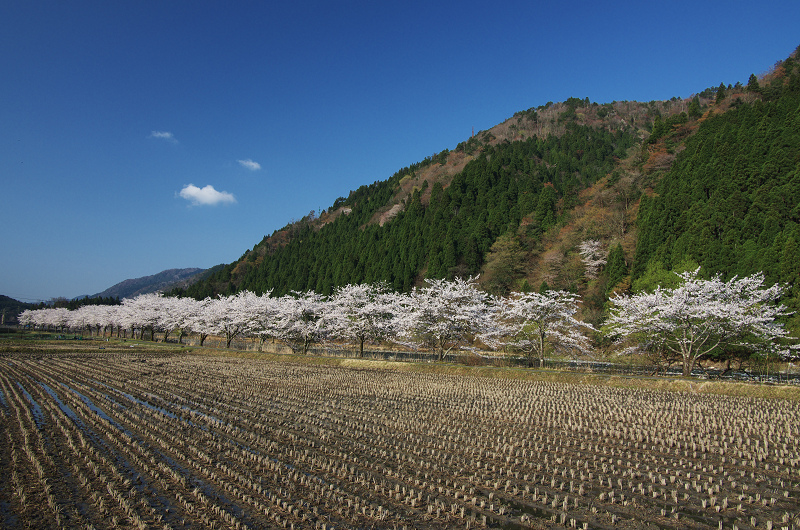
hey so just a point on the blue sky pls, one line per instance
(142, 136)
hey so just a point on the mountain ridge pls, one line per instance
(437, 172)
(161, 281)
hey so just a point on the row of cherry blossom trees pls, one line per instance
(440, 316)
(691, 321)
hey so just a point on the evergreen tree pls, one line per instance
(790, 263)
(752, 84)
(721, 92)
(616, 268)
(694, 108)
(450, 234)
(729, 200)
(659, 129)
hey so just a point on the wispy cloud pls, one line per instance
(206, 196)
(250, 164)
(163, 135)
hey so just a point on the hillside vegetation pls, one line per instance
(731, 200)
(710, 180)
(10, 308)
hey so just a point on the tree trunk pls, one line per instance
(688, 366)
(541, 350)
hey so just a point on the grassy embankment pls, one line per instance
(42, 345)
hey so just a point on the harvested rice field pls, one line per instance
(142, 439)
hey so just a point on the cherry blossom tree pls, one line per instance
(57, 318)
(536, 323)
(144, 312)
(229, 315)
(183, 311)
(81, 319)
(27, 319)
(106, 316)
(108, 313)
(171, 313)
(201, 318)
(92, 316)
(299, 322)
(127, 317)
(593, 256)
(33, 318)
(261, 316)
(360, 313)
(701, 316)
(115, 320)
(443, 314)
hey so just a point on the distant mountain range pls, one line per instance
(163, 281)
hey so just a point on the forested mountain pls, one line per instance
(713, 180)
(731, 201)
(423, 222)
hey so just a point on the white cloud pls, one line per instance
(250, 164)
(163, 135)
(206, 195)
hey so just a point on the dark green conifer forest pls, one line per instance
(452, 234)
(731, 201)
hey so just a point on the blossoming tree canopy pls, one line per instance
(299, 320)
(362, 312)
(699, 316)
(444, 313)
(533, 321)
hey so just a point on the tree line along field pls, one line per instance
(142, 439)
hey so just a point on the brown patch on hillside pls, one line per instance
(390, 214)
(331, 216)
(441, 173)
